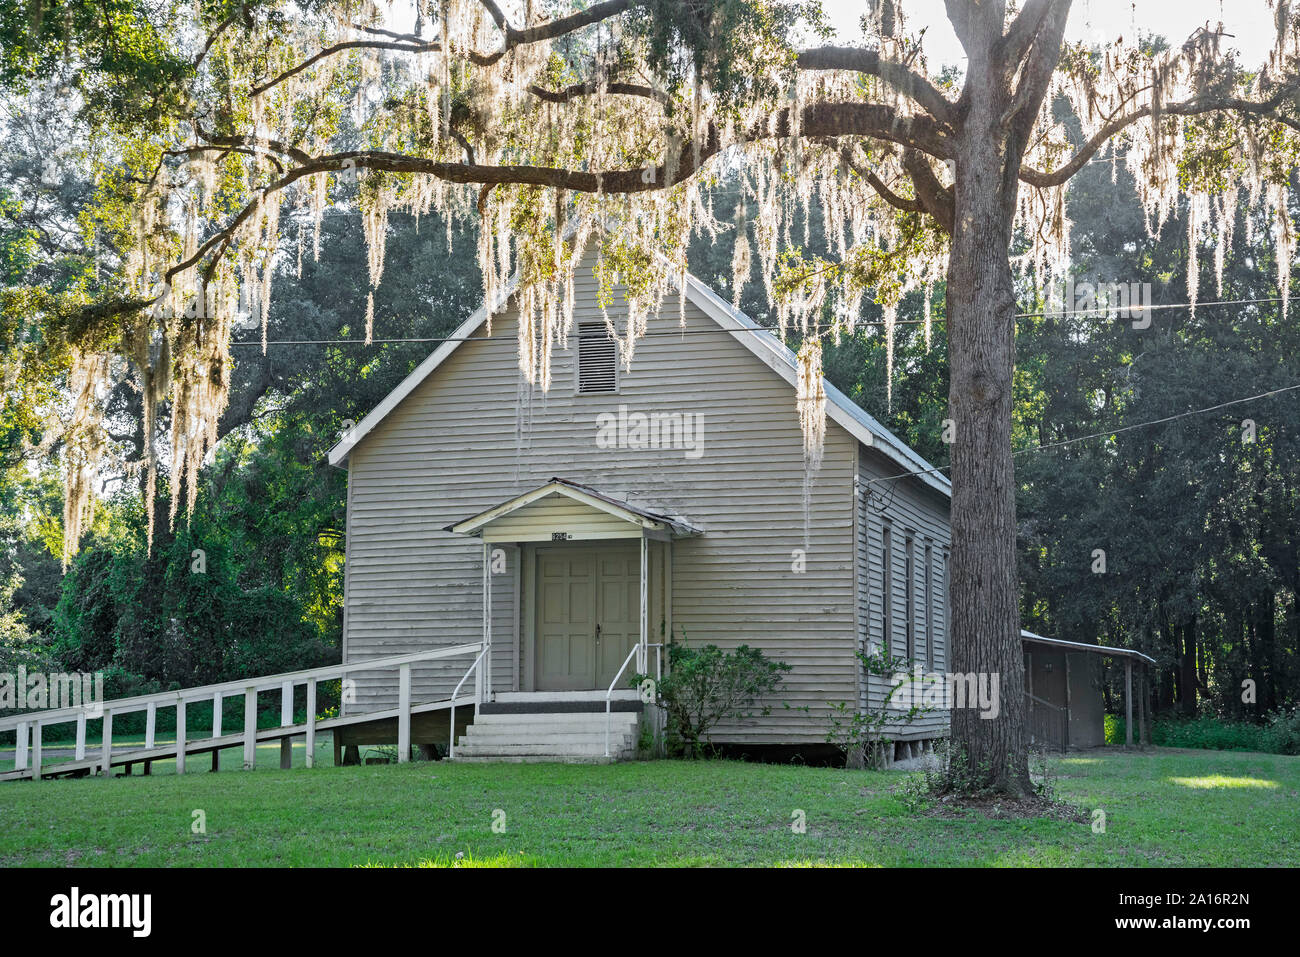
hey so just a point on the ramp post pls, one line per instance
(180, 735)
(107, 769)
(250, 728)
(286, 719)
(310, 756)
(150, 732)
(20, 754)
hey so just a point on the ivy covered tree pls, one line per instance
(220, 125)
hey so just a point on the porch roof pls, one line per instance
(562, 510)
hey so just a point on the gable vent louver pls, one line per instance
(597, 359)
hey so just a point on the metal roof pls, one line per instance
(579, 493)
(1029, 636)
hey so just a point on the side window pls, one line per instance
(945, 578)
(887, 591)
(929, 608)
(909, 600)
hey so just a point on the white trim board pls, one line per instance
(763, 344)
(640, 519)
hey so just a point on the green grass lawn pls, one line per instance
(1196, 808)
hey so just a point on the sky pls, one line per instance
(1249, 21)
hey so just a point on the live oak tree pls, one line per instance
(221, 124)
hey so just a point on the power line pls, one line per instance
(1098, 435)
(1098, 313)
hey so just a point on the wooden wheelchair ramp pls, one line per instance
(29, 763)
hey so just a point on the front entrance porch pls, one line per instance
(590, 568)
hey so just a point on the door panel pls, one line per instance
(566, 634)
(577, 590)
(619, 611)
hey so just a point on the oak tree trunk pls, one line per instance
(990, 751)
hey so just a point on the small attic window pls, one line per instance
(597, 359)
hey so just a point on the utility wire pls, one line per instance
(1104, 313)
(1098, 435)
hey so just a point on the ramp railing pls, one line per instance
(30, 725)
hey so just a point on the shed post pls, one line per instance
(1142, 707)
(1065, 738)
(1128, 702)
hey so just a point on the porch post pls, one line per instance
(483, 676)
(668, 602)
(642, 656)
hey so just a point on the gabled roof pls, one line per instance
(583, 494)
(762, 343)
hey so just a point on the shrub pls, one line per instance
(1279, 735)
(706, 685)
(861, 734)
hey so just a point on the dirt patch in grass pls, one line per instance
(1001, 807)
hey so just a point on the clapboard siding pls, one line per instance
(906, 508)
(469, 438)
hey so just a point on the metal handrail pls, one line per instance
(609, 695)
(451, 742)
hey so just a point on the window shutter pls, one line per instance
(597, 359)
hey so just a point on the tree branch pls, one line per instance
(595, 13)
(590, 87)
(424, 46)
(898, 75)
(1193, 107)
(938, 200)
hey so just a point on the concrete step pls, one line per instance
(553, 743)
(541, 758)
(532, 729)
(549, 736)
(616, 718)
(542, 748)
(527, 697)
